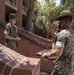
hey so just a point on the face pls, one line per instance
(13, 21)
(62, 23)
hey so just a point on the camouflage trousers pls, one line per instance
(61, 68)
(59, 72)
(12, 45)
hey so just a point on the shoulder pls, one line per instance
(8, 25)
(64, 33)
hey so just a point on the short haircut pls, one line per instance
(12, 16)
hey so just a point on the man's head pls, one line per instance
(65, 21)
(65, 18)
(13, 18)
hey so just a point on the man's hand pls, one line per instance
(17, 38)
(12, 38)
(43, 55)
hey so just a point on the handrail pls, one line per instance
(2, 23)
(35, 38)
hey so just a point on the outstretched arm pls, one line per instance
(54, 53)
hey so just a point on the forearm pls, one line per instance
(57, 52)
(52, 57)
(52, 52)
(9, 37)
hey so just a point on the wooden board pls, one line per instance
(13, 63)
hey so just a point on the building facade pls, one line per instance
(13, 6)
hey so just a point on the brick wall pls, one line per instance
(29, 49)
(2, 39)
(2, 9)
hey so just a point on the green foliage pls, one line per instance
(45, 13)
(55, 26)
(37, 5)
(50, 10)
(68, 4)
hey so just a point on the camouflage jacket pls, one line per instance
(11, 30)
(64, 65)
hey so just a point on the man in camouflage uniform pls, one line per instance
(11, 33)
(64, 47)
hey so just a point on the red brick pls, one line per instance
(2, 9)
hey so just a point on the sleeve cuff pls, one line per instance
(58, 43)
